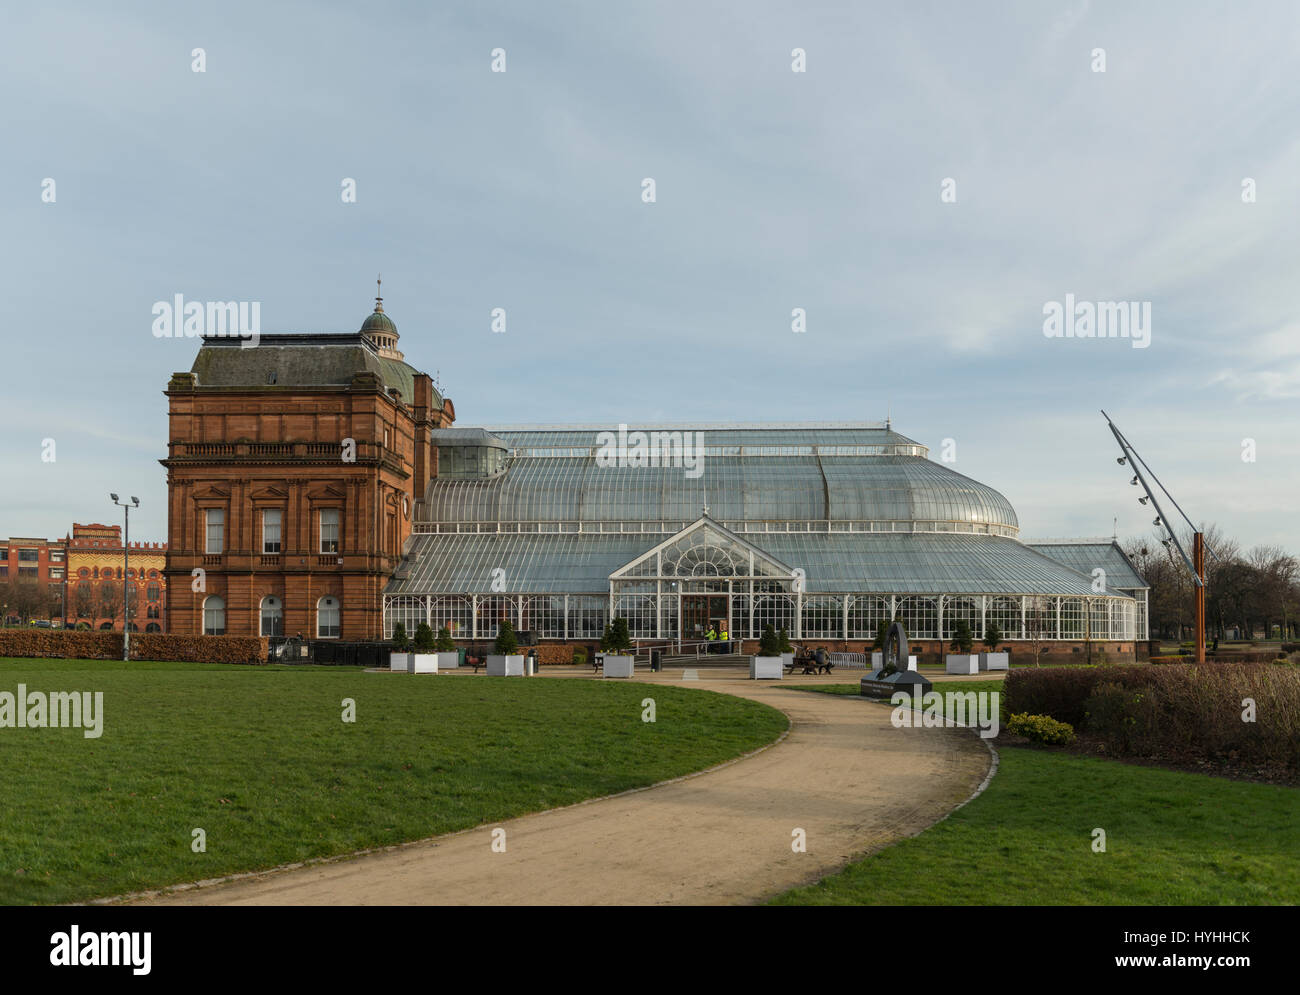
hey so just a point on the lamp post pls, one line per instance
(126, 572)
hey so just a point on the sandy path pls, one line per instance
(844, 775)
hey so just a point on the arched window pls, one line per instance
(106, 625)
(272, 616)
(214, 616)
(153, 627)
(152, 612)
(327, 618)
(153, 592)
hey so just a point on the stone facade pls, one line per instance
(94, 593)
(293, 470)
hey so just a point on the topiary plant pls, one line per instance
(400, 642)
(619, 637)
(423, 638)
(963, 640)
(992, 637)
(506, 644)
(769, 644)
(882, 632)
(444, 643)
(783, 642)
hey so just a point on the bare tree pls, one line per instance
(1040, 625)
(26, 598)
(84, 601)
(110, 601)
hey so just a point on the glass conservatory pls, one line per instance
(823, 530)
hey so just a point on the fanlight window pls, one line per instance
(699, 556)
(704, 551)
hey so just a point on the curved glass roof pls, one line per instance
(835, 472)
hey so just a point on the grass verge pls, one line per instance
(1172, 838)
(260, 759)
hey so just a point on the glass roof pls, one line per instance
(854, 562)
(737, 488)
(1087, 557)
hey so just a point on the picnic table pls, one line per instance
(808, 663)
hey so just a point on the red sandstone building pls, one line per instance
(33, 573)
(293, 470)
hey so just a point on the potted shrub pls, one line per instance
(963, 661)
(878, 647)
(768, 664)
(784, 648)
(616, 641)
(504, 662)
(399, 658)
(423, 659)
(444, 649)
(993, 660)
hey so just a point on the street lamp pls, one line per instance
(126, 573)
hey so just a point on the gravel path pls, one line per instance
(843, 775)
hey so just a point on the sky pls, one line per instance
(935, 177)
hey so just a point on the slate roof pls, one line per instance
(307, 360)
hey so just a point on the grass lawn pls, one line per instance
(260, 759)
(1171, 839)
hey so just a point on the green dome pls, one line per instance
(378, 322)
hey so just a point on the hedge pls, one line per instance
(1186, 713)
(71, 644)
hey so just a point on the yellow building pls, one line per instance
(95, 588)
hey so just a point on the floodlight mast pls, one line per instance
(1196, 562)
(1124, 442)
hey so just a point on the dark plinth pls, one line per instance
(908, 681)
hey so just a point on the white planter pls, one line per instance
(994, 661)
(400, 662)
(961, 663)
(877, 660)
(424, 663)
(787, 661)
(618, 666)
(505, 666)
(447, 661)
(911, 662)
(765, 668)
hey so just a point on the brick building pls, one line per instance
(293, 470)
(95, 589)
(33, 573)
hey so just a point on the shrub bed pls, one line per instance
(1041, 729)
(71, 644)
(1186, 713)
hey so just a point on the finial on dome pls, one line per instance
(379, 288)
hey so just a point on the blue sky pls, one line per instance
(775, 190)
